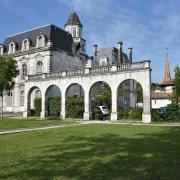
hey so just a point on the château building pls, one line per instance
(51, 49)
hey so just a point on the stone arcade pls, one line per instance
(50, 56)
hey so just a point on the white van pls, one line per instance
(104, 110)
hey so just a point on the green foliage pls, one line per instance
(54, 106)
(172, 112)
(37, 106)
(177, 83)
(8, 71)
(75, 107)
(156, 116)
(135, 113)
(103, 96)
(139, 93)
(123, 113)
(97, 114)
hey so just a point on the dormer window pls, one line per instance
(26, 45)
(12, 48)
(39, 67)
(1, 49)
(41, 41)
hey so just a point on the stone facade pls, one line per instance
(49, 55)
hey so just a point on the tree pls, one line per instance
(8, 71)
(177, 83)
(102, 95)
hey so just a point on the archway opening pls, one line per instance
(34, 102)
(100, 100)
(130, 100)
(53, 101)
(75, 101)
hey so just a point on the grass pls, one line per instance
(9, 124)
(89, 152)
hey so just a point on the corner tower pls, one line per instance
(74, 26)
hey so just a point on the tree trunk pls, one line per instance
(2, 108)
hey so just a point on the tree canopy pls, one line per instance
(8, 71)
(177, 83)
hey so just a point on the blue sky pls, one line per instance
(148, 26)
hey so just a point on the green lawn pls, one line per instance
(9, 124)
(89, 152)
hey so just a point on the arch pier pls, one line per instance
(113, 76)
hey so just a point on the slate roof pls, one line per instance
(59, 37)
(74, 20)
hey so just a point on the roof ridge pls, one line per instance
(30, 30)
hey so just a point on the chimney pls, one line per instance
(120, 52)
(95, 49)
(130, 54)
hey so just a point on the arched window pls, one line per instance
(26, 45)
(39, 67)
(24, 71)
(74, 32)
(12, 48)
(41, 40)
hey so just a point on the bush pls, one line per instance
(97, 114)
(123, 113)
(37, 106)
(74, 107)
(135, 113)
(54, 106)
(156, 117)
(172, 112)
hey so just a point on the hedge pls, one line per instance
(37, 106)
(54, 106)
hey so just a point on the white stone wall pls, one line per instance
(158, 103)
(113, 79)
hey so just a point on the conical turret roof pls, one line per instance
(74, 20)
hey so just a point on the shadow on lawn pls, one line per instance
(109, 156)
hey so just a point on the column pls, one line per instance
(43, 105)
(26, 102)
(63, 105)
(87, 113)
(146, 116)
(114, 104)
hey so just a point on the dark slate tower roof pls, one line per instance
(59, 37)
(74, 20)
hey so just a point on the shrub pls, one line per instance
(156, 117)
(135, 113)
(97, 114)
(123, 113)
(75, 107)
(54, 105)
(172, 112)
(37, 106)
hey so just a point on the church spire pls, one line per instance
(167, 76)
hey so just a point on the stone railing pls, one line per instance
(95, 70)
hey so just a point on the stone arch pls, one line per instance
(129, 93)
(53, 96)
(74, 97)
(33, 92)
(104, 91)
